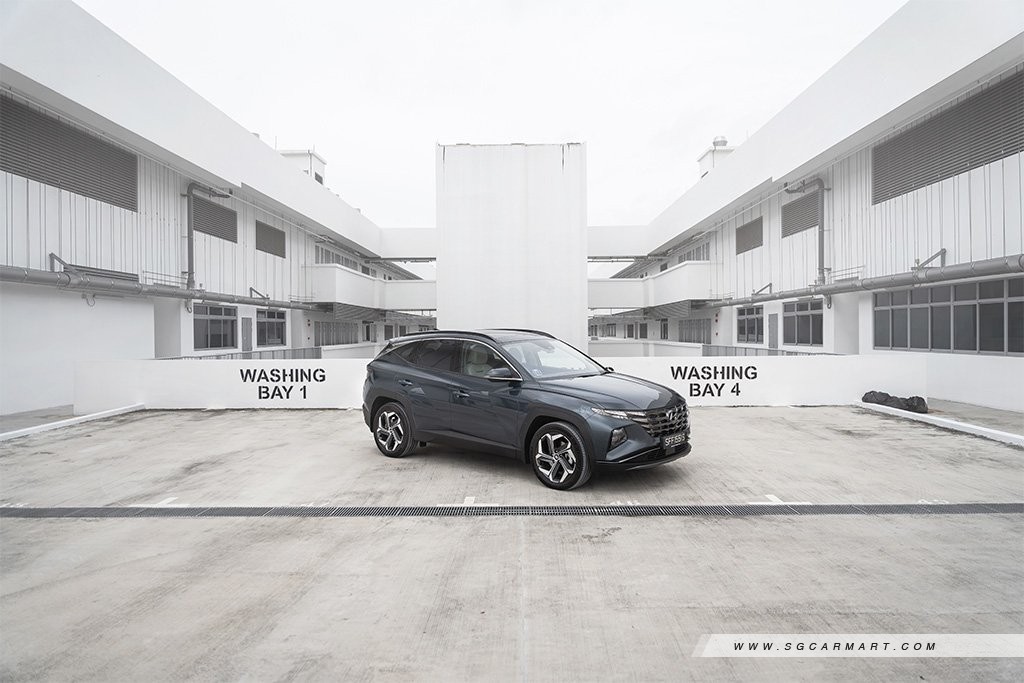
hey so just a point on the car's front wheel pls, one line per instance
(392, 432)
(559, 456)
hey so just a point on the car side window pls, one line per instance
(476, 360)
(435, 354)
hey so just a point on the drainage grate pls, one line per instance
(517, 511)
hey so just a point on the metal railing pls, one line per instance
(723, 350)
(310, 353)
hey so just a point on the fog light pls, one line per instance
(618, 436)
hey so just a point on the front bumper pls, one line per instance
(651, 457)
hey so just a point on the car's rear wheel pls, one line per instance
(392, 432)
(559, 456)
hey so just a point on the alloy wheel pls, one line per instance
(390, 432)
(555, 457)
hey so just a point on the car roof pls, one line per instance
(496, 335)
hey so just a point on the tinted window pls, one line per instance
(990, 290)
(476, 360)
(990, 326)
(965, 328)
(899, 328)
(435, 354)
(1015, 326)
(919, 328)
(940, 327)
(882, 339)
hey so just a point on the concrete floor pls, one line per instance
(1011, 421)
(485, 598)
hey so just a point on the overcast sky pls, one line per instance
(375, 85)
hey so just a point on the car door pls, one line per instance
(481, 408)
(425, 381)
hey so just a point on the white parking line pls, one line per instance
(775, 500)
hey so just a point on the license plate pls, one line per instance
(673, 440)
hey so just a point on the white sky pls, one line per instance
(374, 85)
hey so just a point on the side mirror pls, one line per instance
(501, 375)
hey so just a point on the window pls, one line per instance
(609, 330)
(591, 330)
(750, 325)
(701, 252)
(803, 323)
(369, 331)
(270, 328)
(436, 354)
(641, 330)
(332, 332)
(270, 240)
(749, 236)
(695, 331)
(392, 331)
(663, 323)
(317, 177)
(214, 219)
(476, 360)
(42, 148)
(982, 128)
(971, 317)
(214, 327)
(325, 255)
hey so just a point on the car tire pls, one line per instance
(392, 431)
(559, 456)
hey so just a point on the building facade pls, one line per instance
(879, 212)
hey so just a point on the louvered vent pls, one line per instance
(983, 128)
(41, 148)
(800, 215)
(749, 235)
(214, 219)
(270, 240)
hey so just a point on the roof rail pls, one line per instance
(521, 329)
(469, 332)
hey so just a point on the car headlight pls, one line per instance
(611, 413)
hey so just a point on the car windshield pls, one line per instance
(549, 358)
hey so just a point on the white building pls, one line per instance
(879, 212)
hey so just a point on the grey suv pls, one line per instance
(523, 394)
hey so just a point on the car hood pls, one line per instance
(613, 391)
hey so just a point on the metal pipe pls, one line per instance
(90, 283)
(190, 275)
(821, 221)
(1004, 265)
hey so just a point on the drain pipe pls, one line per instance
(1004, 265)
(94, 284)
(190, 275)
(821, 221)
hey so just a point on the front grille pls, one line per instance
(662, 421)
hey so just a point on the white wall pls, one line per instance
(818, 380)
(44, 332)
(781, 380)
(513, 238)
(619, 348)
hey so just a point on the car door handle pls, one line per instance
(459, 393)
(405, 382)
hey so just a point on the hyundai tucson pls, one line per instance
(523, 394)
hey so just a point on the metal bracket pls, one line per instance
(761, 291)
(67, 266)
(940, 254)
(258, 294)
